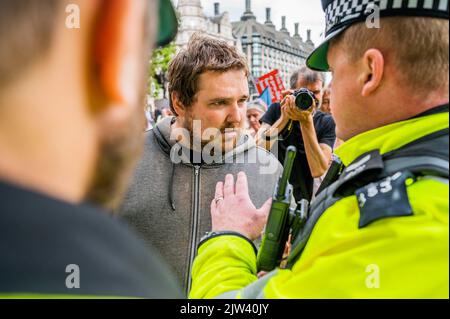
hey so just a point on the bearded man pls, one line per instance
(186, 155)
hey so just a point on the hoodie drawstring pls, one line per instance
(172, 203)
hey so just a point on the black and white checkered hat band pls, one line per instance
(340, 11)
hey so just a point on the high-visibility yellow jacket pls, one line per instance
(398, 257)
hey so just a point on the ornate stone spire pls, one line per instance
(283, 25)
(192, 20)
(297, 34)
(248, 14)
(269, 22)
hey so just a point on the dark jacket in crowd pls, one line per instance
(53, 249)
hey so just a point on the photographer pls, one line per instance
(312, 132)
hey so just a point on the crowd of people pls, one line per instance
(178, 211)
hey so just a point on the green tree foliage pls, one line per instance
(158, 67)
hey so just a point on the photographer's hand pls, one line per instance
(295, 114)
(284, 105)
(233, 210)
(268, 134)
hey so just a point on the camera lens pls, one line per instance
(304, 101)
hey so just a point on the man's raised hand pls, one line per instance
(233, 210)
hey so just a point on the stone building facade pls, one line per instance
(267, 48)
(193, 19)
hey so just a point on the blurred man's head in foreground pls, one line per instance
(72, 94)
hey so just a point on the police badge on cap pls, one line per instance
(340, 14)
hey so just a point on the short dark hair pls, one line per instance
(308, 75)
(201, 55)
(417, 46)
(26, 29)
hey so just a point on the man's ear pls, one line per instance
(373, 71)
(179, 108)
(118, 50)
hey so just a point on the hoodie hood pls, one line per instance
(169, 203)
(163, 132)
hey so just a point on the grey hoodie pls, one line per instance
(169, 204)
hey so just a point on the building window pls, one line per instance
(256, 60)
(256, 72)
(257, 48)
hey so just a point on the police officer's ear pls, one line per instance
(371, 71)
(119, 56)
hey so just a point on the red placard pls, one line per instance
(274, 81)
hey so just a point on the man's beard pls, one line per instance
(119, 153)
(218, 141)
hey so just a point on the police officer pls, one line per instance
(381, 229)
(70, 121)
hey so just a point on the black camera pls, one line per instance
(304, 99)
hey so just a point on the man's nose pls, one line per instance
(234, 114)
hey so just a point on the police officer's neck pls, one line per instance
(421, 103)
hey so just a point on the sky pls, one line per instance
(306, 12)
